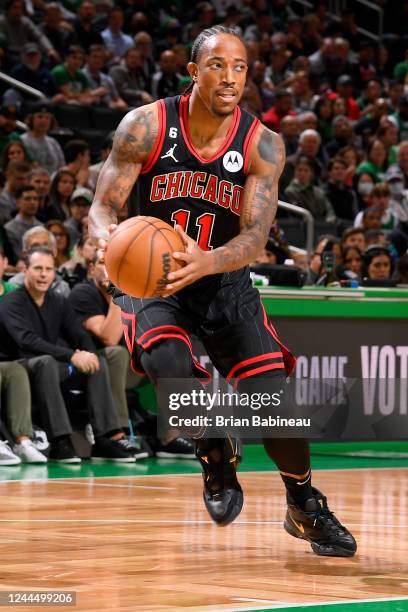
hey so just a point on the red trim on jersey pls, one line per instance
(186, 135)
(265, 368)
(248, 141)
(178, 333)
(134, 368)
(241, 364)
(169, 328)
(288, 358)
(130, 341)
(161, 132)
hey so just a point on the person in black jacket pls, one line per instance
(39, 327)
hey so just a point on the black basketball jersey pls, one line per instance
(203, 196)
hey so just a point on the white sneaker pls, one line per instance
(28, 453)
(7, 457)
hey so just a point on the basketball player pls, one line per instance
(212, 169)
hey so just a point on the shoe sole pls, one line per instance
(234, 510)
(337, 551)
(112, 460)
(164, 455)
(142, 455)
(73, 461)
(6, 462)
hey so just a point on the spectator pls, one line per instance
(380, 200)
(327, 243)
(399, 196)
(40, 236)
(281, 108)
(85, 34)
(144, 44)
(27, 204)
(61, 190)
(71, 81)
(8, 118)
(340, 196)
(302, 192)
(344, 89)
(368, 125)
(307, 121)
(116, 41)
(388, 134)
(290, 133)
(77, 157)
(395, 93)
(31, 72)
(61, 235)
(263, 23)
(363, 186)
(76, 269)
(401, 118)
(79, 205)
(354, 237)
(401, 69)
(301, 92)
(15, 152)
(402, 161)
(309, 146)
(375, 236)
(41, 147)
(370, 220)
(15, 390)
(20, 30)
(376, 161)
(364, 68)
(257, 73)
(278, 72)
(34, 320)
(40, 180)
(351, 156)
(103, 89)
(377, 263)
(352, 259)
(129, 79)
(320, 60)
(324, 113)
(339, 107)
(54, 28)
(343, 134)
(166, 81)
(17, 175)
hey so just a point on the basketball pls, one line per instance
(138, 256)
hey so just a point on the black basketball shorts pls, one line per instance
(224, 311)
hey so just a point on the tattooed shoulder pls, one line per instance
(136, 134)
(271, 148)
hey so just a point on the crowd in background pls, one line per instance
(339, 100)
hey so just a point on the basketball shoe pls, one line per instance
(318, 525)
(222, 493)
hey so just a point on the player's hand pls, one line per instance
(102, 243)
(198, 263)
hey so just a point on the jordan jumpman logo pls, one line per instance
(170, 153)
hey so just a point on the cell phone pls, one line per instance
(328, 260)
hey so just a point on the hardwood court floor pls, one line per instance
(146, 544)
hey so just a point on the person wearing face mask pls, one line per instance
(363, 185)
(399, 196)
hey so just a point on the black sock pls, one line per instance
(292, 458)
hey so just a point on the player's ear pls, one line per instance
(192, 70)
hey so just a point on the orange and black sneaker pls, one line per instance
(222, 493)
(319, 526)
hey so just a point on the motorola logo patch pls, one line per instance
(233, 161)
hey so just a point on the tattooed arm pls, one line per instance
(132, 144)
(267, 158)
